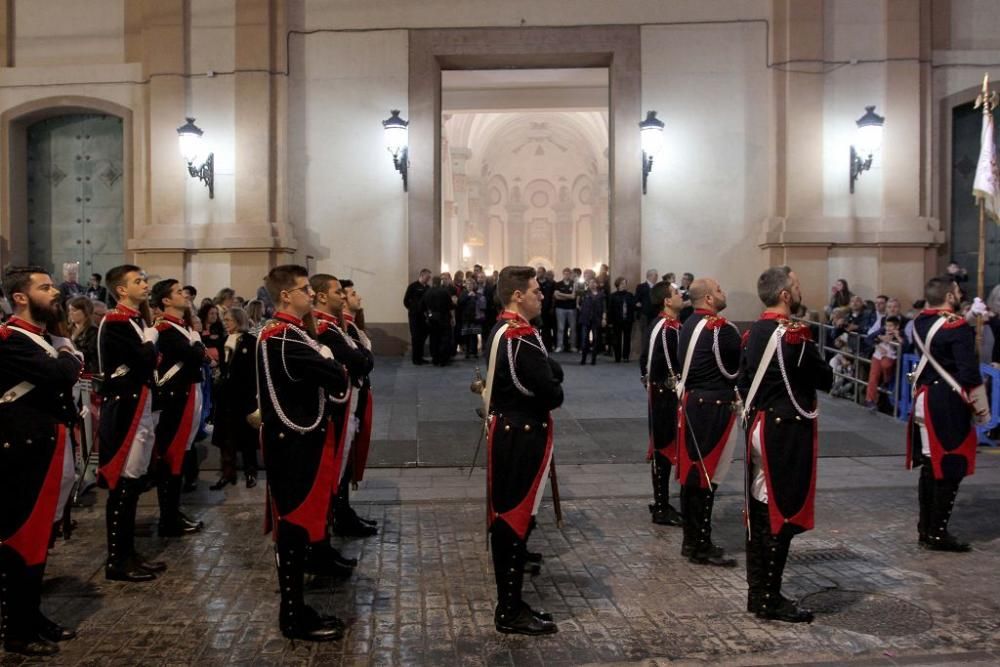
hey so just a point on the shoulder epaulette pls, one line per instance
(954, 321)
(163, 325)
(715, 322)
(322, 326)
(271, 328)
(115, 316)
(797, 332)
(4, 332)
(518, 330)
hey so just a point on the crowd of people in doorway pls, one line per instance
(584, 312)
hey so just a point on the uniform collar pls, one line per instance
(514, 318)
(704, 311)
(326, 317)
(174, 320)
(770, 315)
(125, 310)
(348, 318)
(27, 326)
(291, 319)
(937, 311)
(668, 318)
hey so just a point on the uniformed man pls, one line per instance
(781, 371)
(37, 374)
(126, 346)
(296, 378)
(660, 371)
(359, 362)
(709, 353)
(177, 396)
(948, 400)
(363, 415)
(523, 385)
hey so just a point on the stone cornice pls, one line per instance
(847, 232)
(215, 237)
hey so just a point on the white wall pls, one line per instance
(53, 32)
(975, 24)
(709, 189)
(345, 199)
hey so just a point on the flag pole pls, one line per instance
(988, 102)
(981, 271)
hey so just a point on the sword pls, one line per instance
(479, 443)
(556, 504)
(687, 423)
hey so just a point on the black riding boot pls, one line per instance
(688, 503)
(512, 615)
(756, 535)
(699, 517)
(942, 504)
(663, 513)
(20, 592)
(775, 606)
(298, 621)
(925, 500)
(173, 522)
(346, 521)
(120, 519)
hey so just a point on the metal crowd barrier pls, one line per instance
(856, 377)
(991, 376)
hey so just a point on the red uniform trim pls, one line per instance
(16, 321)
(31, 540)
(311, 514)
(113, 470)
(966, 450)
(683, 459)
(519, 518)
(805, 517)
(116, 316)
(338, 461)
(272, 331)
(174, 455)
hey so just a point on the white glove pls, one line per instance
(150, 335)
(978, 307)
(66, 345)
(325, 352)
(194, 336)
(980, 404)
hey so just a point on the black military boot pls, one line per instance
(942, 504)
(296, 619)
(346, 521)
(756, 529)
(663, 513)
(120, 520)
(925, 500)
(775, 606)
(323, 559)
(20, 591)
(512, 615)
(173, 522)
(687, 519)
(43, 626)
(705, 552)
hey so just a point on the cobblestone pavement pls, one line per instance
(423, 591)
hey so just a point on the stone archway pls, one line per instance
(14, 123)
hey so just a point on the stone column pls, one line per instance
(515, 229)
(565, 250)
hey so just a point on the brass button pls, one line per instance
(6, 445)
(281, 435)
(28, 441)
(777, 420)
(506, 427)
(527, 428)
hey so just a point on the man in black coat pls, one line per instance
(177, 396)
(413, 301)
(645, 308)
(439, 304)
(299, 382)
(621, 317)
(37, 374)
(949, 400)
(781, 371)
(523, 386)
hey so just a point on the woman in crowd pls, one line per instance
(591, 320)
(213, 333)
(840, 297)
(471, 308)
(255, 315)
(225, 299)
(82, 330)
(237, 401)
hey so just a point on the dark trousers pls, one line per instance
(228, 453)
(587, 345)
(621, 339)
(418, 334)
(441, 345)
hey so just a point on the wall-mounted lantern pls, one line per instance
(867, 143)
(651, 139)
(193, 150)
(395, 129)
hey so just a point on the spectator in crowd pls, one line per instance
(96, 291)
(256, 315)
(671, 278)
(842, 366)
(960, 276)
(548, 316)
(100, 310)
(413, 301)
(471, 315)
(687, 309)
(83, 331)
(439, 304)
(225, 299)
(883, 360)
(859, 318)
(491, 305)
(190, 293)
(840, 296)
(621, 317)
(646, 309)
(237, 395)
(70, 285)
(213, 333)
(592, 318)
(565, 308)
(265, 298)
(5, 309)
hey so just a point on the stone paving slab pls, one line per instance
(423, 592)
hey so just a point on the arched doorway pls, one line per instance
(40, 139)
(75, 206)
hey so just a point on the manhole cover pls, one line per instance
(823, 555)
(868, 613)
